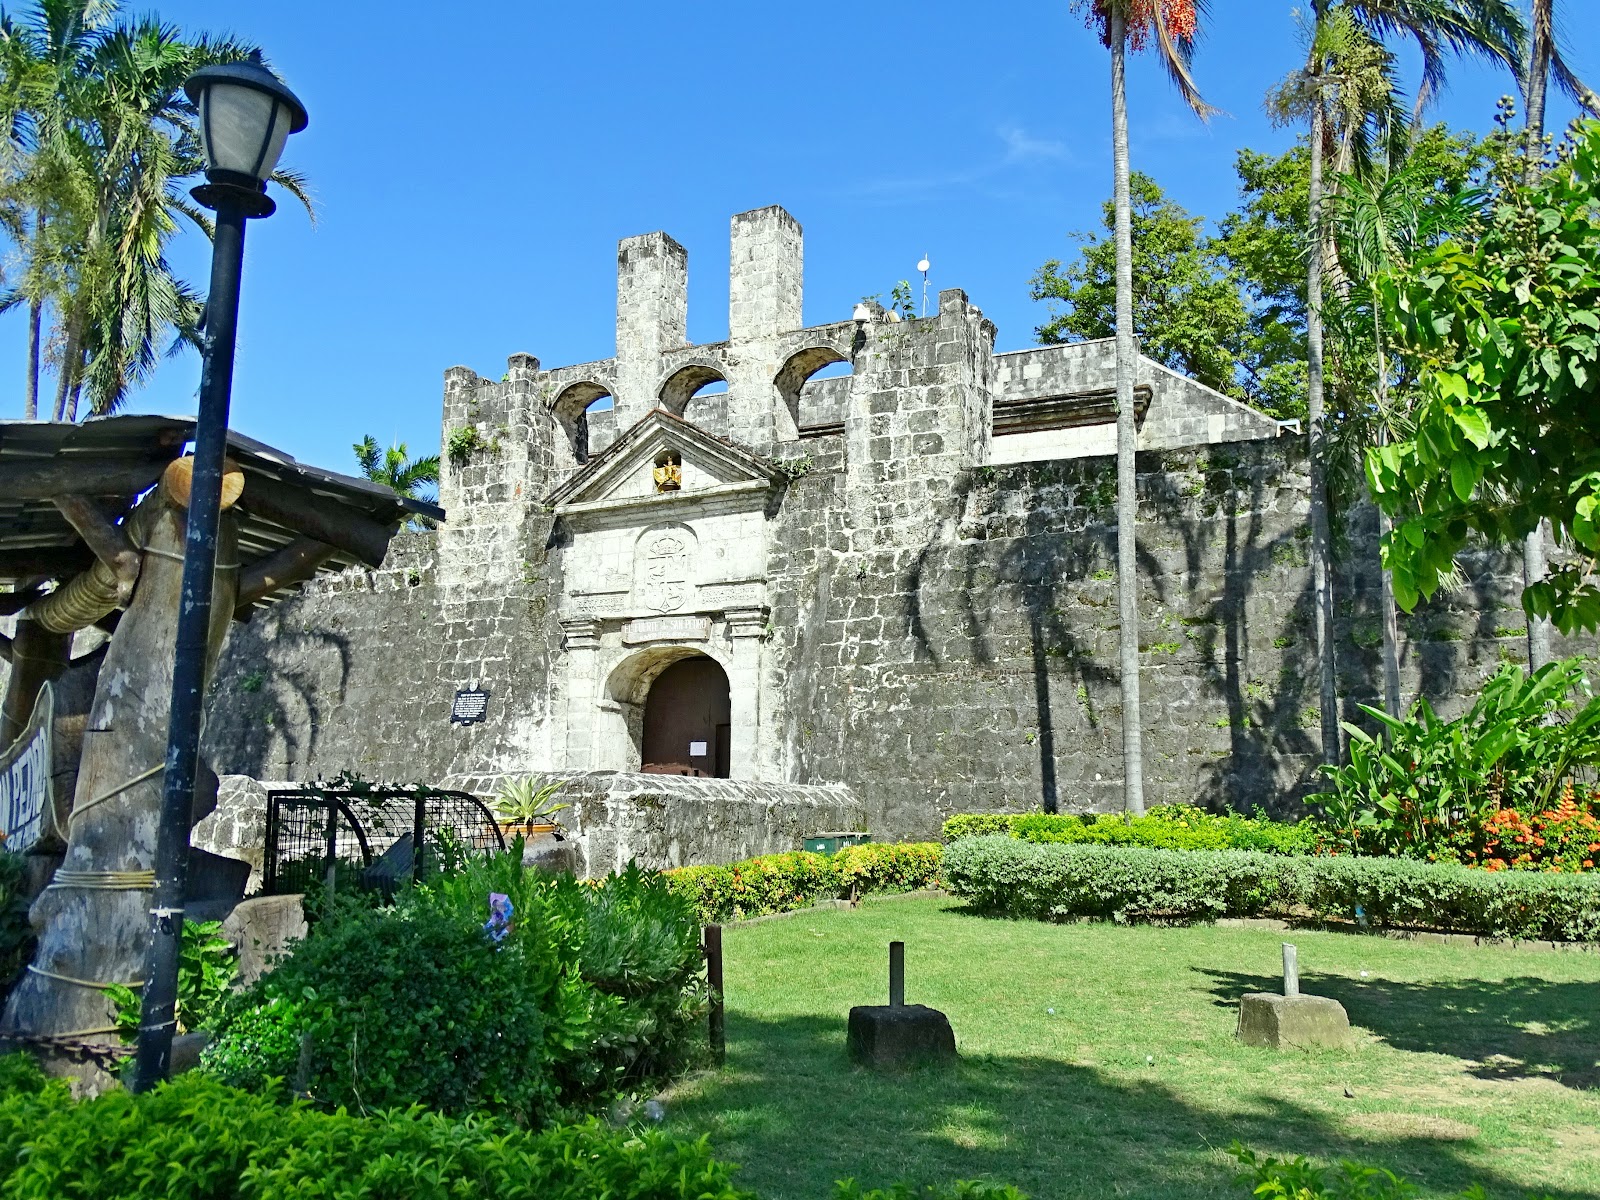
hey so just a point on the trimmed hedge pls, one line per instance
(1011, 877)
(1165, 827)
(777, 883)
(196, 1138)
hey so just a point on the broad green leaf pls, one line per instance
(1474, 424)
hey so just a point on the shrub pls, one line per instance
(1167, 826)
(1433, 785)
(1297, 1179)
(1006, 876)
(876, 868)
(962, 1189)
(777, 883)
(195, 1138)
(207, 967)
(976, 825)
(595, 988)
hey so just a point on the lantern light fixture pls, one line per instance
(246, 115)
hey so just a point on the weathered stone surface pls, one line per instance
(263, 928)
(1300, 1022)
(237, 827)
(559, 857)
(894, 1037)
(673, 821)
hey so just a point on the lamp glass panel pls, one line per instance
(244, 129)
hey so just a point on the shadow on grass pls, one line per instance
(1507, 1028)
(797, 1115)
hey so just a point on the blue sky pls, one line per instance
(475, 165)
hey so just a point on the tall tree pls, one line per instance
(1171, 25)
(1546, 58)
(105, 142)
(1340, 70)
(44, 61)
(1186, 299)
(1504, 329)
(1380, 224)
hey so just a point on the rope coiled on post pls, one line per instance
(104, 881)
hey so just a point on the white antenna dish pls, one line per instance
(923, 265)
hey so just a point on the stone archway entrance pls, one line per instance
(688, 720)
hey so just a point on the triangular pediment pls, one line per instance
(625, 473)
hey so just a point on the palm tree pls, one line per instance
(1487, 28)
(42, 63)
(413, 478)
(1379, 222)
(1172, 25)
(105, 139)
(1545, 59)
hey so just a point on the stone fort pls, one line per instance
(871, 553)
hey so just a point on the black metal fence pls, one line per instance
(331, 838)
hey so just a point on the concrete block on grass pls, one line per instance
(1292, 1022)
(895, 1036)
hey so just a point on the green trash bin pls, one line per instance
(832, 843)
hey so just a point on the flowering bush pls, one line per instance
(1437, 789)
(1565, 837)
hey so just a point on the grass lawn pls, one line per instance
(1469, 1064)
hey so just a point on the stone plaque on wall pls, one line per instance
(666, 629)
(732, 595)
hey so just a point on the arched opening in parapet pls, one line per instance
(586, 413)
(697, 392)
(688, 721)
(807, 384)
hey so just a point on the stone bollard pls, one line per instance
(897, 1035)
(1294, 1020)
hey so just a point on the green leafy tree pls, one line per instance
(1504, 332)
(1380, 225)
(1547, 60)
(1346, 93)
(1186, 300)
(1171, 25)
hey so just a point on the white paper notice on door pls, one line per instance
(697, 749)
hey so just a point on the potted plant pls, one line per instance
(523, 807)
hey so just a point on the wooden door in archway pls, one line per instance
(687, 718)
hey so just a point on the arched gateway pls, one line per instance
(688, 720)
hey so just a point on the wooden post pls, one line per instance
(717, 1028)
(897, 974)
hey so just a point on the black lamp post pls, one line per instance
(246, 114)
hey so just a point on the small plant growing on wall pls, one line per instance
(461, 443)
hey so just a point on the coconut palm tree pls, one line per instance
(414, 478)
(1545, 60)
(1380, 220)
(1171, 25)
(44, 60)
(105, 141)
(1490, 29)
